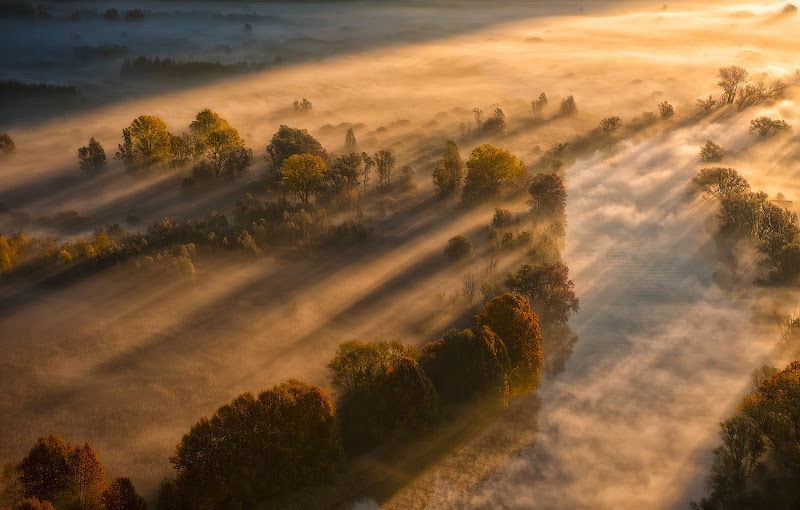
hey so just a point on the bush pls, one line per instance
(459, 248)
(610, 124)
(7, 145)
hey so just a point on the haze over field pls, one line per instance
(668, 335)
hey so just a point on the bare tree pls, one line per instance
(731, 79)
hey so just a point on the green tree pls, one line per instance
(145, 142)
(121, 495)
(92, 157)
(489, 170)
(549, 289)
(45, 470)
(7, 145)
(468, 364)
(407, 399)
(384, 164)
(548, 195)
(237, 162)
(449, 174)
(205, 123)
(510, 317)
(302, 174)
(220, 144)
(289, 142)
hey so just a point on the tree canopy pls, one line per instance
(288, 142)
(92, 157)
(302, 174)
(548, 195)
(549, 289)
(490, 170)
(510, 317)
(145, 142)
(449, 174)
(255, 448)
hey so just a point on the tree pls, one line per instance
(407, 175)
(568, 106)
(735, 460)
(774, 410)
(252, 449)
(350, 145)
(11, 484)
(145, 142)
(468, 364)
(247, 28)
(720, 182)
(7, 145)
(92, 157)
(459, 248)
(204, 123)
(764, 127)
(237, 162)
(761, 92)
(365, 171)
(407, 399)
(289, 142)
(510, 317)
(183, 148)
(496, 124)
(711, 152)
(448, 175)
(548, 195)
(478, 119)
(538, 105)
(731, 79)
(220, 144)
(666, 110)
(45, 470)
(303, 106)
(706, 106)
(358, 371)
(87, 477)
(111, 15)
(302, 174)
(121, 495)
(610, 124)
(489, 170)
(549, 289)
(384, 163)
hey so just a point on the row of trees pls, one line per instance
(488, 171)
(61, 475)
(757, 466)
(750, 215)
(738, 91)
(291, 435)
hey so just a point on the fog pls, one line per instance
(666, 345)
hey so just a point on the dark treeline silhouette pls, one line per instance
(180, 69)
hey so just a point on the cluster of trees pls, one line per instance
(291, 435)
(179, 69)
(212, 146)
(489, 171)
(56, 474)
(757, 466)
(738, 91)
(747, 214)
